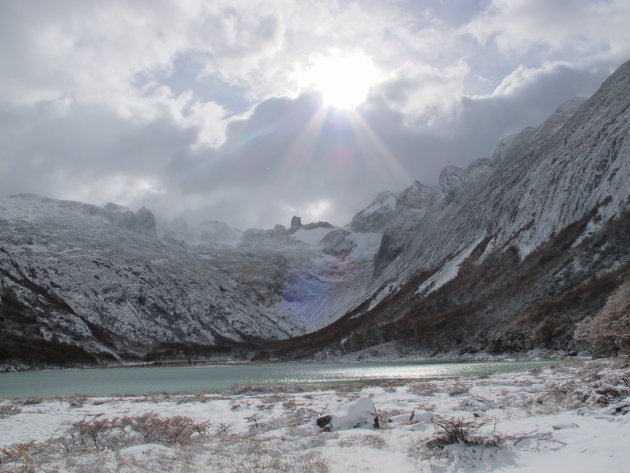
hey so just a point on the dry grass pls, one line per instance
(7, 410)
(370, 440)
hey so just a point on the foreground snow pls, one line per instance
(573, 417)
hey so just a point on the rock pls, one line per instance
(621, 408)
(377, 215)
(279, 231)
(141, 221)
(565, 425)
(415, 417)
(424, 417)
(451, 178)
(357, 414)
(416, 196)
(314, 225)
(296, 224)
(337, 243)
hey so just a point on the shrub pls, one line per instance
(177, 430)
(458, 389)
(7, 410)
(461, 431)
(610, 329)
(18, 452)
(100, 433)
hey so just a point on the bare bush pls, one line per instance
(78, 400)
(18, 452)
(31, 401)
(100, 433)
(422, 389)
(609, 333)
(176, 430)
(458, 389)
(86, 434)
(289, 404)
(461, 431)
(7, 410)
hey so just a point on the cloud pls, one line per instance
(422, 92)
(582, 27)
(192, 108)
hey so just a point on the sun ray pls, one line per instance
(302, 148)
(378, 156)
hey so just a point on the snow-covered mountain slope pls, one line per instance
(82, 282)
(515, 252)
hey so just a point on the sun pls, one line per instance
(344, 80)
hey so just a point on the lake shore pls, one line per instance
(569, 417)
(385, 353)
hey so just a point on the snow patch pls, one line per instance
(448, 272)
(388, 204)
(313, 236)
(382, 294)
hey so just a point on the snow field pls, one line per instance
(572, 417)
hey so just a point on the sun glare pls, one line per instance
(344, 80)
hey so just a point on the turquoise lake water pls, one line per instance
(216, 378)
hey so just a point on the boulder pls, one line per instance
(336, 243)
(414, 417)
(357, 414)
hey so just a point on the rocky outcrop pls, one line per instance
(296, 223)
(354, 415)
(377, 215)
(337, 243)
(141, 221)
(417, 196)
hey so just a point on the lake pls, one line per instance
(216, 378)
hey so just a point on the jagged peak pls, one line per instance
(376, 215)
(451, 178)
(553, 123)
(112, 207)
(417, 196)
(296, 223)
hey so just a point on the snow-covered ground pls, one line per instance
(571, 417)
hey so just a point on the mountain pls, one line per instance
(84, 283)
(524, 250)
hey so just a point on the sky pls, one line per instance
(250, 112)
